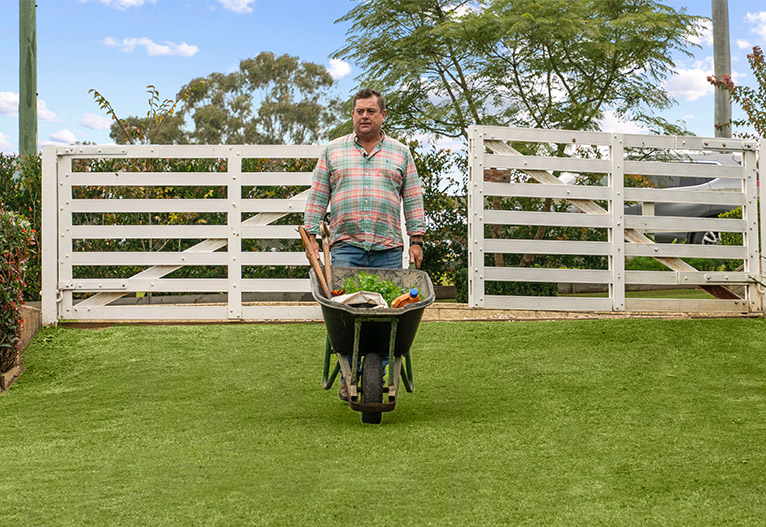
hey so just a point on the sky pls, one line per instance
(118, 47)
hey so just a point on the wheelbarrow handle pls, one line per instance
(326, 250)
(314, 262)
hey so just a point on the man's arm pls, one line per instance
(414, 213)
(316, 203)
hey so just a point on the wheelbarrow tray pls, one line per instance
(375, 335)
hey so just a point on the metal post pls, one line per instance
(722, 65)
(27, 78)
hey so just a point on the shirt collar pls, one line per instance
(377, 147)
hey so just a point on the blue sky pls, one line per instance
(120, 46)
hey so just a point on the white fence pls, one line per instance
(86, 230)
(69, 230)
(508, 190)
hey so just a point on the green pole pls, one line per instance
(27, 78)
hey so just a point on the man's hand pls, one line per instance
(314, 245)
(416, 255)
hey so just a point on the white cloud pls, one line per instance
(744, 44)
(4, 144)
(338, 68)
(9, 103)
(238, 6)
(706, 38)
(612, 123)
(95, 121)
(44, 114)
(758, 21)
(128, 45)
(124, 4)
(63, 136)
(690, 84)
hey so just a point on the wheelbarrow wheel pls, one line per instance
(372, 386)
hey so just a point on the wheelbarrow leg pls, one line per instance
(407, 373)
(346, 369)
(328, 379)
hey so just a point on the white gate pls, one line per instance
(508, 191)
(74, 224)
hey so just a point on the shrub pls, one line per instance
(15, 239)
(21, 193)
(503, 288)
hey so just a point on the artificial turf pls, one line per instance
(611, 422)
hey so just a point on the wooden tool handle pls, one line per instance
(326, 251)
(314, 262)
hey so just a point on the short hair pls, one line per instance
(366, 93)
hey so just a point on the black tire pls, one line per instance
(372, 386)
(705, 238)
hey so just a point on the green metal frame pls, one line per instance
(328, 379)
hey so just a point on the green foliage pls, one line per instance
(21, 193)
(532, 63)
(445, 241)
(150, 129)
(15, 240)
(268, 100)
(752, 100)
(503, 288)
(369, 282)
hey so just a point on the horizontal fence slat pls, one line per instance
(278, 232)
(270, 179)
(684, 224)
(149, 258)
(537, 135)
(149, 205)
(149, 231)
(281, 285)
(193, 151)
(284, 312)
(557, 219)
(569, 164)
(274, 258)
(530, 190)
(685, 142)
(136, 285)
(544, 303)
(685, 305)
(683, 250)
(274, 205)
(532, 274)
(149, 179)
(150, 312)
(658, 168)
(679, 195)
(546, 247)
(684, 278)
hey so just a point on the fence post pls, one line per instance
(49, 241)
(234, 223)
(750, 236)
(762, 267)
(475, 217)
(65, 247)
(617, 230)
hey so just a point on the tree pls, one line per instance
(159, 126)
(752, 100)
(269, 100)
(449, 64)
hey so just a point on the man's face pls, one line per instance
(368, 118)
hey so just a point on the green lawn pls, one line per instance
(612, 422)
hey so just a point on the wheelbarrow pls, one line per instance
(361, 333)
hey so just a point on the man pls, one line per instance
(366, 177)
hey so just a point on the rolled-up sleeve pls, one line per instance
(319, 195)
(412, 199)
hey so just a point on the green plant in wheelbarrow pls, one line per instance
(374, 284)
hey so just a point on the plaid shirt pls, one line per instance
(364, 192)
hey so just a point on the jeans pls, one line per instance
(344, 255)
